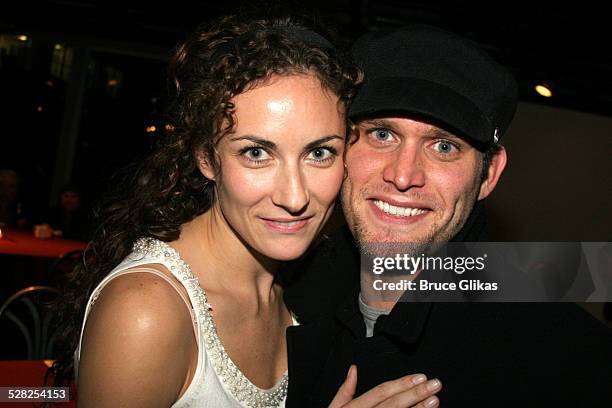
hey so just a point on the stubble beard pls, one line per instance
(384, 241)
(387, 242)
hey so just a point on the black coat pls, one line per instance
(485, 354)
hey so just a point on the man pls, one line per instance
(424, 154)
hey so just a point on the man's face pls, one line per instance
(412, 183)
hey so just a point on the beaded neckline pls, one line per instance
(234, 380)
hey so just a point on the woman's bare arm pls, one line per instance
(137, 346)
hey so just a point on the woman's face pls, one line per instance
(281, 168)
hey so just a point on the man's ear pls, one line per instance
(497, 164)
(205, 166)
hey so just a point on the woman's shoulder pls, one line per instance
(136, 341)
(140, 296)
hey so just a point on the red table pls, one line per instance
(18, 242)
(28, 373)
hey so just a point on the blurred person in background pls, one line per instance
(69, 218)
(10, 207)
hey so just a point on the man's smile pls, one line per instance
(399, 211)
(391, 212)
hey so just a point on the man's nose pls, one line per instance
(405, 170)
(291, 192)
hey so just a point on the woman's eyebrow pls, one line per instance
(258, 140)
(272, 146)
(320, 141)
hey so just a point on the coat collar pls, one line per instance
(405, 322)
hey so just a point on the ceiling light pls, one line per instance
(544, 90)
(22, 37)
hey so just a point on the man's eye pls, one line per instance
(382, 135)
(256, 154)
(445, 147)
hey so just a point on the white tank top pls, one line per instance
(217, 381)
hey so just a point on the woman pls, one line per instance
(191, 313)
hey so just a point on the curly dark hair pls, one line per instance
(218, 61)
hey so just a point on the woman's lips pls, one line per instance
(286, 226)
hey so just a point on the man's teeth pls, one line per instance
(398, 211)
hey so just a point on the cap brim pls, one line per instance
(422, 98)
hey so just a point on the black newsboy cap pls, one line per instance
(428, 72)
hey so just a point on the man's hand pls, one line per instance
(408, 391)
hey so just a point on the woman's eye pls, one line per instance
(445, 147)
(382, 135)
(256, 154)
(320, 154)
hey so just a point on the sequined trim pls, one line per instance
(239, 386)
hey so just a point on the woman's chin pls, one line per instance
(283, 253)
